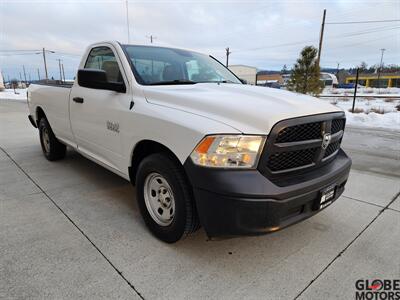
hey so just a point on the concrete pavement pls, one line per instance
(71, 229)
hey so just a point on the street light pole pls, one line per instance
(127, 21)
(59, 67)
(23, 67)
(45, 65)
(380, 69)
(62, 68)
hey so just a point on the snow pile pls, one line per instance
(366, 104)
(372, 112)
(20, 94)
(388, 120)
(362, 91)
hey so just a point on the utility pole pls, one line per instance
(59, 67)
(380, 68)
(127, 20)
(62, 67)
(38, 74)
(151, 37)
(337, 71)
(45, 65)
(20, 77)
(227, 56)
(321, 37)
(29, 76)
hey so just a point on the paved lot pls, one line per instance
(71, 229)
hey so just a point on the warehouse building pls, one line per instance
(371, 80)
(247, 73)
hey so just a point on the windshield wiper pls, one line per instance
(226, 81)
(172, 82)
(218, 81)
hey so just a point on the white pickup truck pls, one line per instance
(202, 148)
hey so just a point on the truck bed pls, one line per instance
(57, 83)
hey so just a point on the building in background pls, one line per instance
(342, 75)
(328, 79)
(371, 80)
(268, 77)
(2, 87)
(244, 72)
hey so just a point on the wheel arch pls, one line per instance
(145, 148)
(39, 114)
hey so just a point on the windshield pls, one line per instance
(161, 66)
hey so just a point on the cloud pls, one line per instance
(266, 34)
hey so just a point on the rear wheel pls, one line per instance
(165, 198)
(52, 148)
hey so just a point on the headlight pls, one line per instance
(228, 151)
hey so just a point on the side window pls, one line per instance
(103, 58)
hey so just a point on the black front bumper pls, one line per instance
(245, 202)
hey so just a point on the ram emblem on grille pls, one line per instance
(326, 140)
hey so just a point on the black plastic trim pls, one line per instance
(237, 202)
(271, 147)
(32, 121)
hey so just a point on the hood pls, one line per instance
(249, 109)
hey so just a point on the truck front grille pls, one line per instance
(337, 125)
(301, 132)
(296, 144)
(332, 148)
(292, 159)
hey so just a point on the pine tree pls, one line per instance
(306, 73)
(284, 70)
(363, 66)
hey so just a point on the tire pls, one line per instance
(52, 148)
(158, 178)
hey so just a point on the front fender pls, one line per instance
(177, 130)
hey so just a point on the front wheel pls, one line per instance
(52, 148)
(165, 198)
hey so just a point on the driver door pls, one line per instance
(95, 113)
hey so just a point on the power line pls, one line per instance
(361, 42)
(366, 32)
(362, 22)
(18, 50)
(18, 54)
(350, 34)
(8, 53)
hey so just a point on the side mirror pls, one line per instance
(97, 79)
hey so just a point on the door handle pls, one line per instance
(78, 99)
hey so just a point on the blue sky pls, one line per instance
(265, 34)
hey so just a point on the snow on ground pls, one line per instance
(366, 104)
(388, 121)
(363, 91)
(19, 94)
(370, 111)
